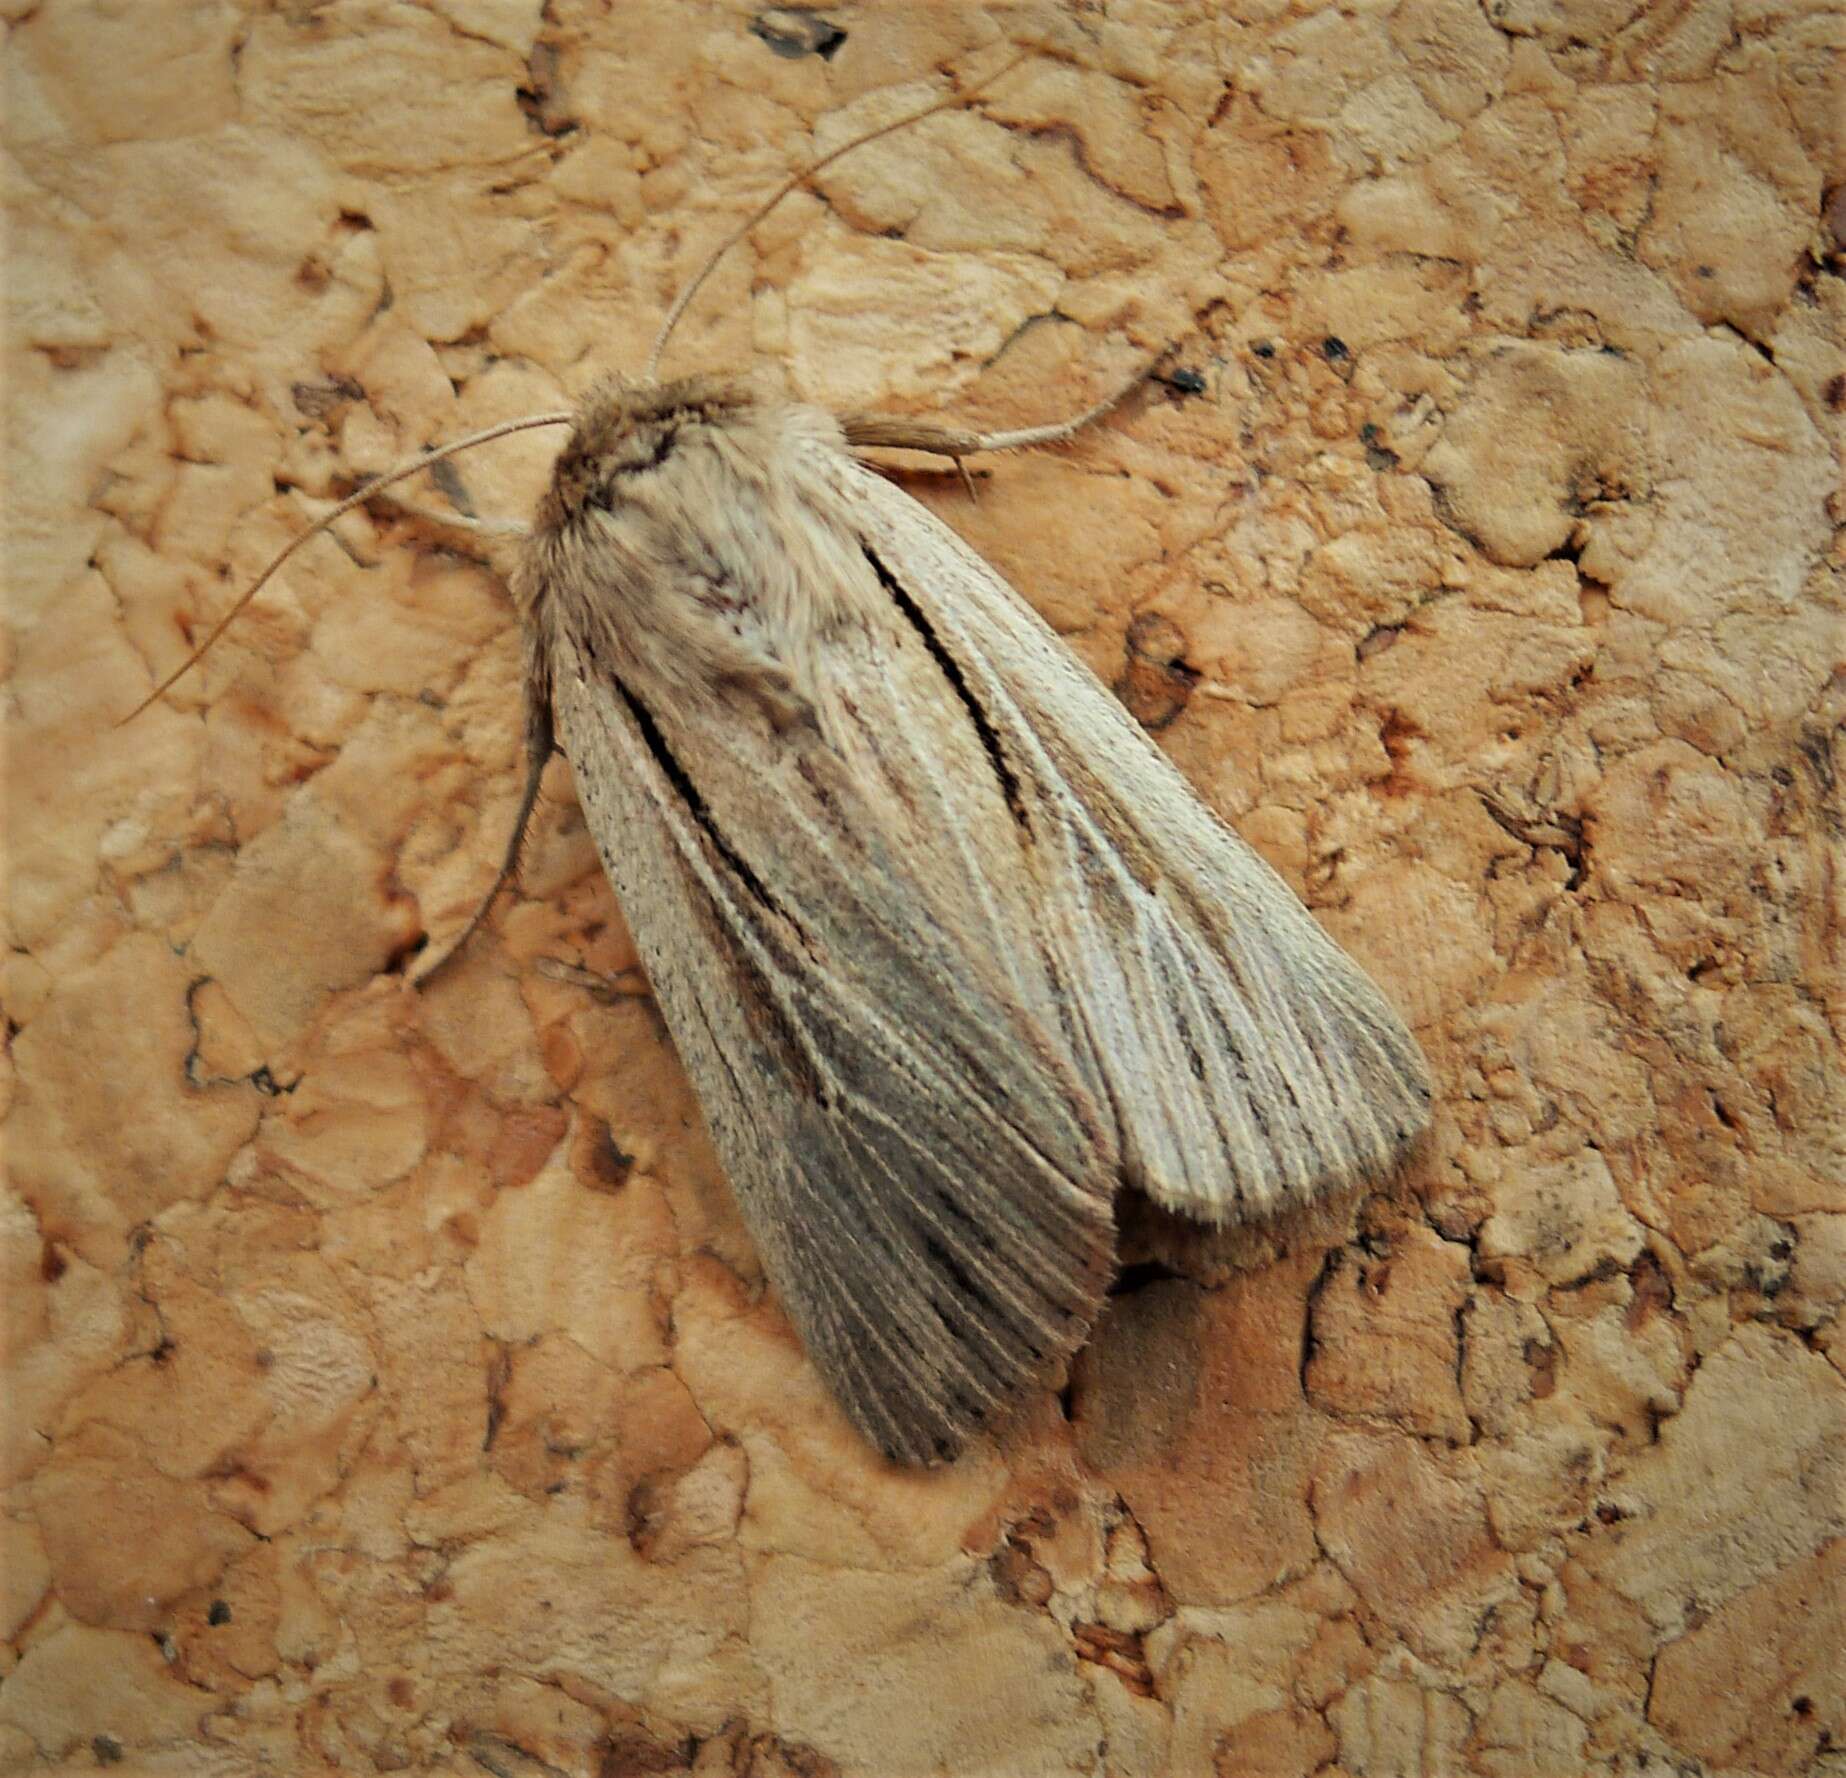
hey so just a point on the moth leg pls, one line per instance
(541, 743)
(606, 990)
(457, 521)
(902, 432)
(487, 540)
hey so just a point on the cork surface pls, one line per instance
(391, 1385)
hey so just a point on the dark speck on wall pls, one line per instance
(795, 31)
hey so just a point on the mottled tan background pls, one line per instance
(391, 1384)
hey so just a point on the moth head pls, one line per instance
(626, 429)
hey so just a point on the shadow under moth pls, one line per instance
(949, 948)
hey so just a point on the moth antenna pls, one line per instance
(794, 183)
(357, 498)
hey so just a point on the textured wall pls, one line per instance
(391, 1384)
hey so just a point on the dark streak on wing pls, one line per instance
(763, 1007)
(1009, 782)
(676, 775)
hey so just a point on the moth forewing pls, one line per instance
(1249, 1061)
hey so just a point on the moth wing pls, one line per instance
(929, 1197)
(1249, 1063)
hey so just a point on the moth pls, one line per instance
(949, 949)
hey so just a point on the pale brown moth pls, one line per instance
(949, 948)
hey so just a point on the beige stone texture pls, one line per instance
(391, 1385)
